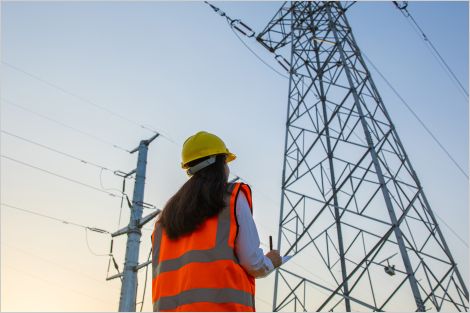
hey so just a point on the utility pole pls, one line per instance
(127, 301)
(352, 206)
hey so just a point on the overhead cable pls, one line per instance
(430, 133)
(82, 274)
(89, 248)
(404, 10)
(93, 229)
(237, 25)
(58, 175)
(258, 57)
(86, 228)
(100, 107)
(234, 23)
(65, 125)
(452, 230)
(103, 168)
(83, 99)
(48, 283)
(143, 204)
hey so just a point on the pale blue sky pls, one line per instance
(178, 67)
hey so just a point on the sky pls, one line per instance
(83, 77)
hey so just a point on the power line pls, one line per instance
(417, 117)
(94, 229)
(89, 248)
(103, 168)
(65, 125)
(86, 228)
(432, 136)
(47, 82)
(258, 57)
(58, 175)
(83, 99)
(62, 286)
(433, 49)
(238, 25)
(103, 189)
(82, 161)
(82, 274)
(452, 230)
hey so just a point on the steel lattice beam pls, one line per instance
(350, 196)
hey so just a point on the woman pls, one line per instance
(206, 251)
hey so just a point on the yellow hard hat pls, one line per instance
(201, 145)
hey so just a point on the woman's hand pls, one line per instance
(275, 258)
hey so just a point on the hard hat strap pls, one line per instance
(196, 168)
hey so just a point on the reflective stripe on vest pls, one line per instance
(220, 257)
(221, 250)
(216, 295)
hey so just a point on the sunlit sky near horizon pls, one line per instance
(177, 67)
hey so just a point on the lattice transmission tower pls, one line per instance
(352, 206)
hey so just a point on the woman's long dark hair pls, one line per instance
(201, 197)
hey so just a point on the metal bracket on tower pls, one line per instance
(124, 175)
(149, 217)
(141, 223)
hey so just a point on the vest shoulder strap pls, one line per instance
(235, 189)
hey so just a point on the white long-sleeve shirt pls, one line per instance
(247, 243)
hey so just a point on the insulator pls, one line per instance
(283, 62)
(97, 230)
(242, 28)
(402, 5)
(120, 173)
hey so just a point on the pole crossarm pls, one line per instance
(141, 223)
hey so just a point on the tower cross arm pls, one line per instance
(277, 33)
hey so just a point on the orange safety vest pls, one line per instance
(200, 271)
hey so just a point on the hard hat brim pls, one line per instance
(229, 158)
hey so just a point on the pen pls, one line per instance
(271, 243)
